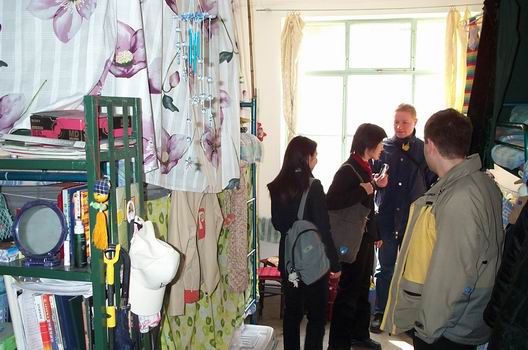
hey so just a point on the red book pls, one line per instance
(49, 320)
(43, 324)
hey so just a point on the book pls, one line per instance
(82, 211)
(49, 320)
(67, 323)
(30, 324)
(75, 308)
(43, 323)
(88, 327)
(86, 323)
(56, 322)
(66, 200)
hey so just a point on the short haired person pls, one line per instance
(452, 246)
(351, 308)
(409, 179)
(286, 191)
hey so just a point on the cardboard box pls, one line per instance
(70, 125)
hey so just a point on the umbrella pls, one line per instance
(122, 333)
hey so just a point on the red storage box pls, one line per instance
(70, 125)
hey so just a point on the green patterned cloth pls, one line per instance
(209, 323)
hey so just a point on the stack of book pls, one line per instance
(73, 201)
(56, 322)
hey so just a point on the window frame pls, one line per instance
(413, 71)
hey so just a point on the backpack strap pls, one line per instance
(300, 212)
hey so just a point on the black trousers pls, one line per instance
(440, 344)
(351, 310)
(313, 299)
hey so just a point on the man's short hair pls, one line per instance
(405, 107)
(450, 131)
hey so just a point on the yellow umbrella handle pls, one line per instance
(110, 262)
(111, 316)
(110, 279)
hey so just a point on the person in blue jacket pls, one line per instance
(409, 178)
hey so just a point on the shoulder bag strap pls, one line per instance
(354, 170)
(300, 212)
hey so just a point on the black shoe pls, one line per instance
(332, 347)
(365, 343)
(375, 324)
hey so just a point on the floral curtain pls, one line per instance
(53, 52)
(455, 58)
(290, 44)
(198, 146)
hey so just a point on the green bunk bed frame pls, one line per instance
(128, 150)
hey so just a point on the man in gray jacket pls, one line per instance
(452, 246)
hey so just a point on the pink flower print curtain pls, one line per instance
(197, 151)
(54, 52)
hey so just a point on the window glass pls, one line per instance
(323, 47)
(373, 99)
(320, 105)
(380, 45)
(380, 75)
(430, 37)
(328, 158)
(429, 97)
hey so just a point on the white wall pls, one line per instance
(267, 16)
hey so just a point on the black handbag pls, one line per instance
(348, 226)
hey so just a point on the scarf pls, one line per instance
(364, 164)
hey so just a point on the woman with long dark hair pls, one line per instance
(351, 309)
(286, 191)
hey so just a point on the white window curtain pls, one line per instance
(243, 39)
(290, 46)
(455, 65)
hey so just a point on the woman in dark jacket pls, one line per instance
(507, 310)
(351, 310)
(286, 191)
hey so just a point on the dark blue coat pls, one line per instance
(409, 178)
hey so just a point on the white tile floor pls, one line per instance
(270, 317)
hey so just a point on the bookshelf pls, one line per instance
(99, 157)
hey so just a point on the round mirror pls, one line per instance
(39, 229)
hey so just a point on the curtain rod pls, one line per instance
(369, 9)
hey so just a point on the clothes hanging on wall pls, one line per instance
(237, 222)
(473, 28)
(210, 322)
(195, 221)
(455, 58)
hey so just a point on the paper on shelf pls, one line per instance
(26, 306)
(59, 287)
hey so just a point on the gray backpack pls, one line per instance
(304, 252)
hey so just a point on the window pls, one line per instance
(352, 72)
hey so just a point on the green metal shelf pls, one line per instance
(127, 148)
(43, 164)
(17, 268)
(252, 256)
